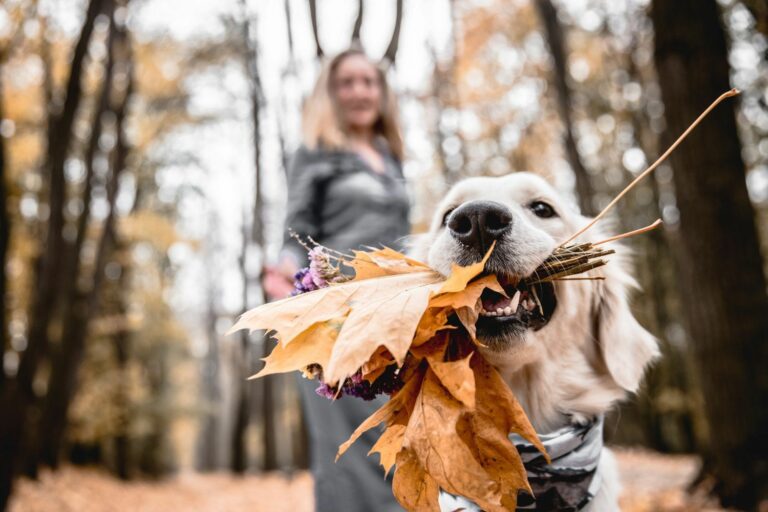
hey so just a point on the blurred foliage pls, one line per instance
(490, 109)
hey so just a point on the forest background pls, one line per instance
(143, 148)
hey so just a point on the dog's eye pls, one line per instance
(542, 209)
(447, 214)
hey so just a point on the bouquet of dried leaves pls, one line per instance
(399, 327)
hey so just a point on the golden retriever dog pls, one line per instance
(569, 359)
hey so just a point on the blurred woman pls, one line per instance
(346, 191)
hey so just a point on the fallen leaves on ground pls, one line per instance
(651, 482)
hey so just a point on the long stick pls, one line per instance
(650, 227)
(729, 94)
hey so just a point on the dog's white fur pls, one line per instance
(592, 351)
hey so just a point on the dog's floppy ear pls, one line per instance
(625, 345)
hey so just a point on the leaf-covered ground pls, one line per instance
(652, 482)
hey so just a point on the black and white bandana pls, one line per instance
(567, 484)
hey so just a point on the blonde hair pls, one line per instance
(321, 123)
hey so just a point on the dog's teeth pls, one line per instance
(499, 311)
(508, 310)
(515, 301)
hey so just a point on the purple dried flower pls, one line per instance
(388, 383)
(326, 391)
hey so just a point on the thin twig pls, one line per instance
(650, 227)
(729, 94)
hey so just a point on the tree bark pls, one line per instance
(250, 46)
(394, 43)
(719, 261)
(18, 394)
(85, 306)
(5, 233)
(313, 16)
(121, 341)
(553, 31)
(355, 41)
(43, 447)
(208, 445)
(241, 365)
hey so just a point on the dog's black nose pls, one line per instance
(478, 223)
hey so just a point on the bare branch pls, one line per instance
(356, 43)
(391, 53)
(313, 15)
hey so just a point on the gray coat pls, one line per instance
(338, 200)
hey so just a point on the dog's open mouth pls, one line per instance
(525, 307)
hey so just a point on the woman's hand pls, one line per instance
(278, 280)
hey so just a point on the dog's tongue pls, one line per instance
(493, 301)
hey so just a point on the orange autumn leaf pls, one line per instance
(496, 401)
(461, 276)
(468, 318)
(414, 488)
(402, 400)
(433, 320)
(499, 456)
(457, 378)
(312, 346)
(294, 315)
(468, 296)
(377, 364)
(382, 262)
(387, 314)
(390, 443)
(432, 435)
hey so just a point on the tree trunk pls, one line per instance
(355, 40)
(269, 440)
(121, 342)
(5, 233)
(239, 447)
(18, 394)
(241, 368)
(208, 445)
(558, 49)
(313, 17)
(63, 379)
(45, 447)
(390, 54)
(719, 261)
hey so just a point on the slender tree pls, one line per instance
(720, 265)
(208, 445)
(5, 233)
(251, 64)
(51, 426)
(313, 16)
(86, 303)
(18, 395)
(390, 54)
(555, 36)
(355, 42)
(241, 365)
